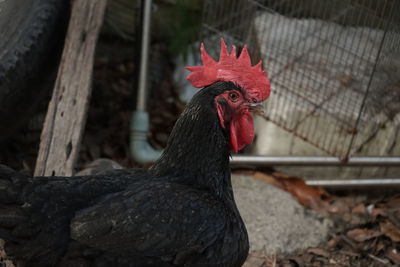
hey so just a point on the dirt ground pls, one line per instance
(365, 230)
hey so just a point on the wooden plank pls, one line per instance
(66, 115)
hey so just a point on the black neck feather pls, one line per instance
(197, 152)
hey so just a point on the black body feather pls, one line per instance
(180, 212)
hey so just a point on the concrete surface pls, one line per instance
(274, 219)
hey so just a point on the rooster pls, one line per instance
(179, 212)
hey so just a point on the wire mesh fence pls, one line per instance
(334, 65)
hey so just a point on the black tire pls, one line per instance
(31, 38)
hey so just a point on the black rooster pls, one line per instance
(180, 212)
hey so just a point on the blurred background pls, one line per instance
(334, 69)
(175, 26)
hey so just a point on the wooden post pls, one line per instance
(66, 114)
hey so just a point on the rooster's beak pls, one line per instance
(258, 104)
(258, 107)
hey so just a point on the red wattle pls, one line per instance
(241, 131)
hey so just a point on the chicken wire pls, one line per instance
(334, 65)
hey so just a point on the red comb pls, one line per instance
(230, 68)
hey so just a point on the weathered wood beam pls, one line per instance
(66, 115)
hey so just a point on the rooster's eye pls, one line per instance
(233, 96)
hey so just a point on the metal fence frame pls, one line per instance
(233, 20)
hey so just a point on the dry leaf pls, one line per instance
(341, 205)
(260, 260)
(350, 253)
(361, 235)
(355, 219)
(333, 242)
(319, 252)
(299, 260)
(390, 230)
(379, 246)
(253, 261)
(378, 212)
(308, 196)
(359, 209)
(394, 202)
(393, 255)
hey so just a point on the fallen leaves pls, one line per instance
(378, 212)
(366, 232)
(310, 197)
(394, 255)
(371, 228)
(360, 209)
(390, 230)
(319, 252)
(260, 259)
(361, 235)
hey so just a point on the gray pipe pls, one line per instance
(140, 148)
(348, 184)
(354, 184)
(313, 161)
(144, 57)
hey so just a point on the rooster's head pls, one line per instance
(244, 86)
